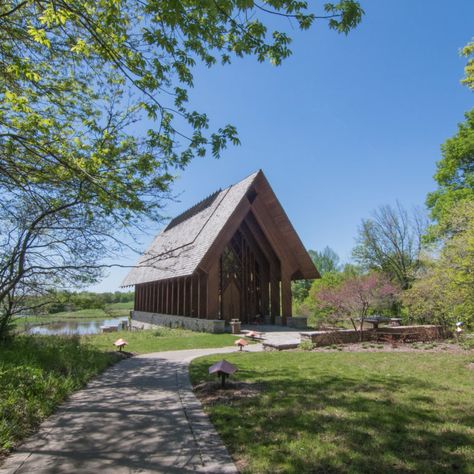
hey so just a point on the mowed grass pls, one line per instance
(36, 374)
(157, 340)
(348, 412)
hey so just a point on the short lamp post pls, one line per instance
(223, 369)
(120, 344)
(241, 343)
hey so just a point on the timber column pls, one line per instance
(286, 310)
(213, 292)
(274, 294)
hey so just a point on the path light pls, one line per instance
(223, 369)
(241, 343)
(120, 344)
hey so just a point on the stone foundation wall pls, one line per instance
(348, 336)
(345, 336)
(143, 320)
(297, 322)
(427, 331)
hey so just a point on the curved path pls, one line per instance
(139, 416)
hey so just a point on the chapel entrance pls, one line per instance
(240, 288)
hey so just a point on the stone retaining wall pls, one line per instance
(428, 331)
(143, 320)
(348, 336)
(296, 322)
(344, 336)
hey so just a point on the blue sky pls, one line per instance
(347, 124)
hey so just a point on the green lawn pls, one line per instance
(36, 374)
(348, 412)
(157, 340)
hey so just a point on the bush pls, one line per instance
(306, 345)
(36, 374)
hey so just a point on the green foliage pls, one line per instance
(306, 345)
(74, 82)
(342, 412)
(391, 242)
(38, 373)
(455, 171)
(325, 261)
(444, 290)
(310, 307)
(468, 52)
(467, 342)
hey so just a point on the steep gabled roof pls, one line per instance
(179, 249)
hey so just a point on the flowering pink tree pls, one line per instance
(354, 297)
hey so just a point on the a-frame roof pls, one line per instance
(188, 240)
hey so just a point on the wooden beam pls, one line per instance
(202, 295)
(194, 296)
(274, 294)
(173, 296)
(286, 310)
(213, 291)
(178, 296)
(225, 235)
(187, 296)
(160, 297)
(273, 235)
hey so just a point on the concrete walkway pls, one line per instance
(139, 416)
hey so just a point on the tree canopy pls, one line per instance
(390, 242)
(455, 171)
(444, 290)
(95, 118)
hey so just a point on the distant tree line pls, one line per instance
(60, 301)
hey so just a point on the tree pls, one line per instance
(75, 80)
(355, 297)
(391, 242)
(455, 171)
(325, 261)
(444, 290)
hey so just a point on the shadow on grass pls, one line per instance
(36, 375)
(335, 423)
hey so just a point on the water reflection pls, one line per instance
(74, 327)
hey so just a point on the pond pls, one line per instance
(70, 328)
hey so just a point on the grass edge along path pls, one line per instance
(346, 412)
(37, 373)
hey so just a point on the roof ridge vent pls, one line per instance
(192, 211)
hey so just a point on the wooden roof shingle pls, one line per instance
(180, 248)
(177, 251)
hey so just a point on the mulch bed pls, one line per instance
(443, 347)
(211, 393)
